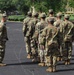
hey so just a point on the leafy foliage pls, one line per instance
(40, 5)
(71, 3)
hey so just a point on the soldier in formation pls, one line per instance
(3, 39)
(68, 33)
(25, 32)
(49, 39)
(57, 24)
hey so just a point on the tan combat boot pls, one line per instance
(2, 64)
(54, 69)
(67, 62)
(41, 64)
(50, 69)
(59, 58)
(28, 56)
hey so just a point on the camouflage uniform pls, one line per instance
(32, 26)
(57, 24)
(3, 39)
(50, 15)
(50, 33)
(68, 32)
(39, 28)
(25, 32)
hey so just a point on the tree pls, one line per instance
(40, 5)
(71, 3)
(6, 5)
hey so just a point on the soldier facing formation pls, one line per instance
(3, 38)
(48, 39)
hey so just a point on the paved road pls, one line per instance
(15, 57)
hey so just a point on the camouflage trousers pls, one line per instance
(34, 48)
(51, 61)
(2, 52)
(60, 47)
(42, 55)
(52, 54)
(28, 45)
(67, 50)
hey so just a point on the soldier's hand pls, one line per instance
(7, 39)
(42, 47)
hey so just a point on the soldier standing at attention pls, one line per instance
(68, 32)
(51, 32)
(57, 24)
(25, 31)
(39, 28)
(3, 39)
(31, 31)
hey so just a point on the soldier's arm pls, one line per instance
(43, 36)
(5, 37)
(36, 33)
(29, 32)
(44, 32)
(24, 27)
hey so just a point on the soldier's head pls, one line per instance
(51, 20)
(59, 15)
(43, 15)
(4, 17)
(51, 11)
(35, 14)
(29, 14)
(66, 17)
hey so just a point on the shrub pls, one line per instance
(16, 18)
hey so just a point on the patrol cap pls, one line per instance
(35, 14)
(29, 13)
(50, 10)
(66, 16)
(4, 15)
(59, 14)
(42, 15)
(51, 19)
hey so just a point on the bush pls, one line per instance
(72, 17)
(16, 18)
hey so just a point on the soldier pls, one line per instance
(68, 32)
(4, 18)
(25, 31)
(51, 15)
(3, 39)
(50, 33)
(39, 28)
(57, 24)
(32, 26)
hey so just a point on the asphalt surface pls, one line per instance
(15, 56)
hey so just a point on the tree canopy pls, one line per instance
(40, 5)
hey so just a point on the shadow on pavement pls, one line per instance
(23, 63)
(66, 70)
(72, 55)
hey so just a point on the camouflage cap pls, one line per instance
(29, 13)
(35, 14)
(4, 15)
(66, 16)
(59, 14)
(51, 19)
(50, 10)
(42, 15)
